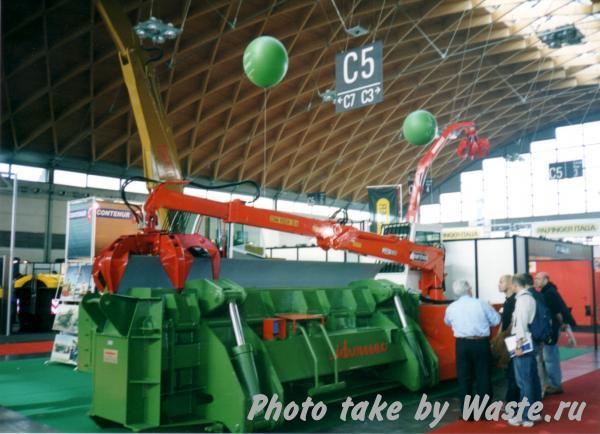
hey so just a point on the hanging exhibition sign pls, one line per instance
(384, 206)
(359, 77)
(565, 169)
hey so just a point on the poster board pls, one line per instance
(64, 349)
(93, 224)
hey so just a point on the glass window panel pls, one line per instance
(104, 182)
(196, 192)
(471, 188)
(32, 174)
(542, 145)
(137, 187)
(321, 211)
(569, 136)
(219, 196)
(592, 179)
(518, 187)
(295, 207)
(520, 205)
(569, 154)
(545, 200)
(540, 167)
(494, 188)
(545, 190)
(430, 214)
(591, 156)
(358, 215)
(302, 208)
(242, 197)
(451, 207)
(264, 203)
(495, 206)
(571, 196)
(591, 133)
(285, 205)
(75, 179)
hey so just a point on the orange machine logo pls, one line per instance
(345, 352)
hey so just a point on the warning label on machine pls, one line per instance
(111, 356)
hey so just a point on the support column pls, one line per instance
(49, 219)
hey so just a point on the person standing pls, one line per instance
(525, 365)
(505, 286)
(471, 319)
(561, 316)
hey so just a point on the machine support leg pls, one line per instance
(409, 333)
(400, 310)
(236, 322)
(243, 353)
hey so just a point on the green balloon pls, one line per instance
(420, 128)
(265, 61)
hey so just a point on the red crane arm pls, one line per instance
(329, 234)
(425, 163)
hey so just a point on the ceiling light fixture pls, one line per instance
(156, 30)
(564, 35)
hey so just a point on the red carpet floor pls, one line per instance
(584, 388)
(584, 339)
(25, 348)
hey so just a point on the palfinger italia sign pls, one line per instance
(567, 228)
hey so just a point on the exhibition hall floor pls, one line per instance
(37, 396)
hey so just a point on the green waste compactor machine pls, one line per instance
(162, 359)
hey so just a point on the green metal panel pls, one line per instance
(162, 359)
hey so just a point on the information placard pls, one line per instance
(359, 77)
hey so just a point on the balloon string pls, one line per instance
(264, 181)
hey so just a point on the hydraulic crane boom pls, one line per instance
(173, 249)
(328, 233)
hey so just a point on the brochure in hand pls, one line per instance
(511, 344)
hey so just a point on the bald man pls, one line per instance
(561, 316)
(505, 286)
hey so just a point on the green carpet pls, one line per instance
(568, 353)
(50, 394)
(58, 396)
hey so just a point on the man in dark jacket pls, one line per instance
(561, 316)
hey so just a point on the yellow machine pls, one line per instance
(34, 295)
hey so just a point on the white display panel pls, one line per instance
(494, 259)
(459, 264)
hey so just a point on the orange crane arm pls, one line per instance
(328, 233)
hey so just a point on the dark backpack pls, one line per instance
(541, 326)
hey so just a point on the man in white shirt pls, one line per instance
(471, 319)
(525, 364)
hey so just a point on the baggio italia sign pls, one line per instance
(358, 77)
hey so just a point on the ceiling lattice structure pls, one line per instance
(63, 95)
